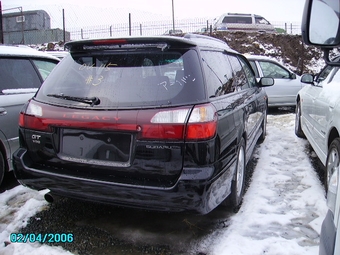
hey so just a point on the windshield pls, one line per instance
(126, 79)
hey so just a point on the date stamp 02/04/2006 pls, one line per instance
(41, 238)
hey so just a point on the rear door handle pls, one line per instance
(3, 111)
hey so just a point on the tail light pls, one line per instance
(31, 117)
(198, 123)
(202, 123)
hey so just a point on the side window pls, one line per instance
(218, 73)
(273, 70)
(237, 19)
(239, 73)
(253, 65)
(44, 67)
(323, 74)
(261, 20)
(18, 74)
(249, 74)
(335, 76)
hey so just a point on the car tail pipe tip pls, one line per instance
(50, 197)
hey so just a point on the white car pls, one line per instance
(317, 111)
(318, 116)
(286, 86)
(243, 22)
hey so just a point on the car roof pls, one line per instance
(58, 54)
(23, 51)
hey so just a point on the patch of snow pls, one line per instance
(281, 214)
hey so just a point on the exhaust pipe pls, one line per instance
(50, 198)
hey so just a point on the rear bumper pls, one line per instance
(194, 191)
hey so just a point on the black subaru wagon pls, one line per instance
(160, 123)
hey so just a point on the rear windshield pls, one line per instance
(125, 79)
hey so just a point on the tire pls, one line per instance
(298, 129)
(2, 167)
(333, 160)
(264, 128)
(238, 182)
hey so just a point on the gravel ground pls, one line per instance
(104, 229)
(68, 216)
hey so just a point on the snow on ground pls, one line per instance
(282, 212)
(285, 205)
(16, 207)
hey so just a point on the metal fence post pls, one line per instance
(130, 24)
(64, 30)
(1, 29)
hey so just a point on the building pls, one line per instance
(30, 27)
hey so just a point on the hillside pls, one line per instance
(288, 49)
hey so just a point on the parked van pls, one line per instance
(248, 22)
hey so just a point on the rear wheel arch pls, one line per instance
(3, 162)
(332, 135)
(4, 154)
(333, 160)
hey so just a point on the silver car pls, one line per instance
(22, 71)
(287, 84)
(318, 110)
(318, 116)
(243, 22)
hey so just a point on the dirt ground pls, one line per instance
(289, 48)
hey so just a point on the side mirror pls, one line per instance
(321, 25)
(307, 78)
(266, 82)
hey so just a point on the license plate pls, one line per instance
(94, 147)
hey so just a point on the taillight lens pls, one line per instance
(198, 124)
(31, 117)
(202, 123)
(167, 125)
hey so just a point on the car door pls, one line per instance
(325, 99)
(252, 100)
(286, 83)
(222, 93)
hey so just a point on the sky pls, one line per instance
(88, 12)
(281, 214)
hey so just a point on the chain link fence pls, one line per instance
(159, 28)
(127, 28)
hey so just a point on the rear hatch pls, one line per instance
(119, 110)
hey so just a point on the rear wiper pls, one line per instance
(87, 100)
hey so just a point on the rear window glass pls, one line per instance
(126, 79)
